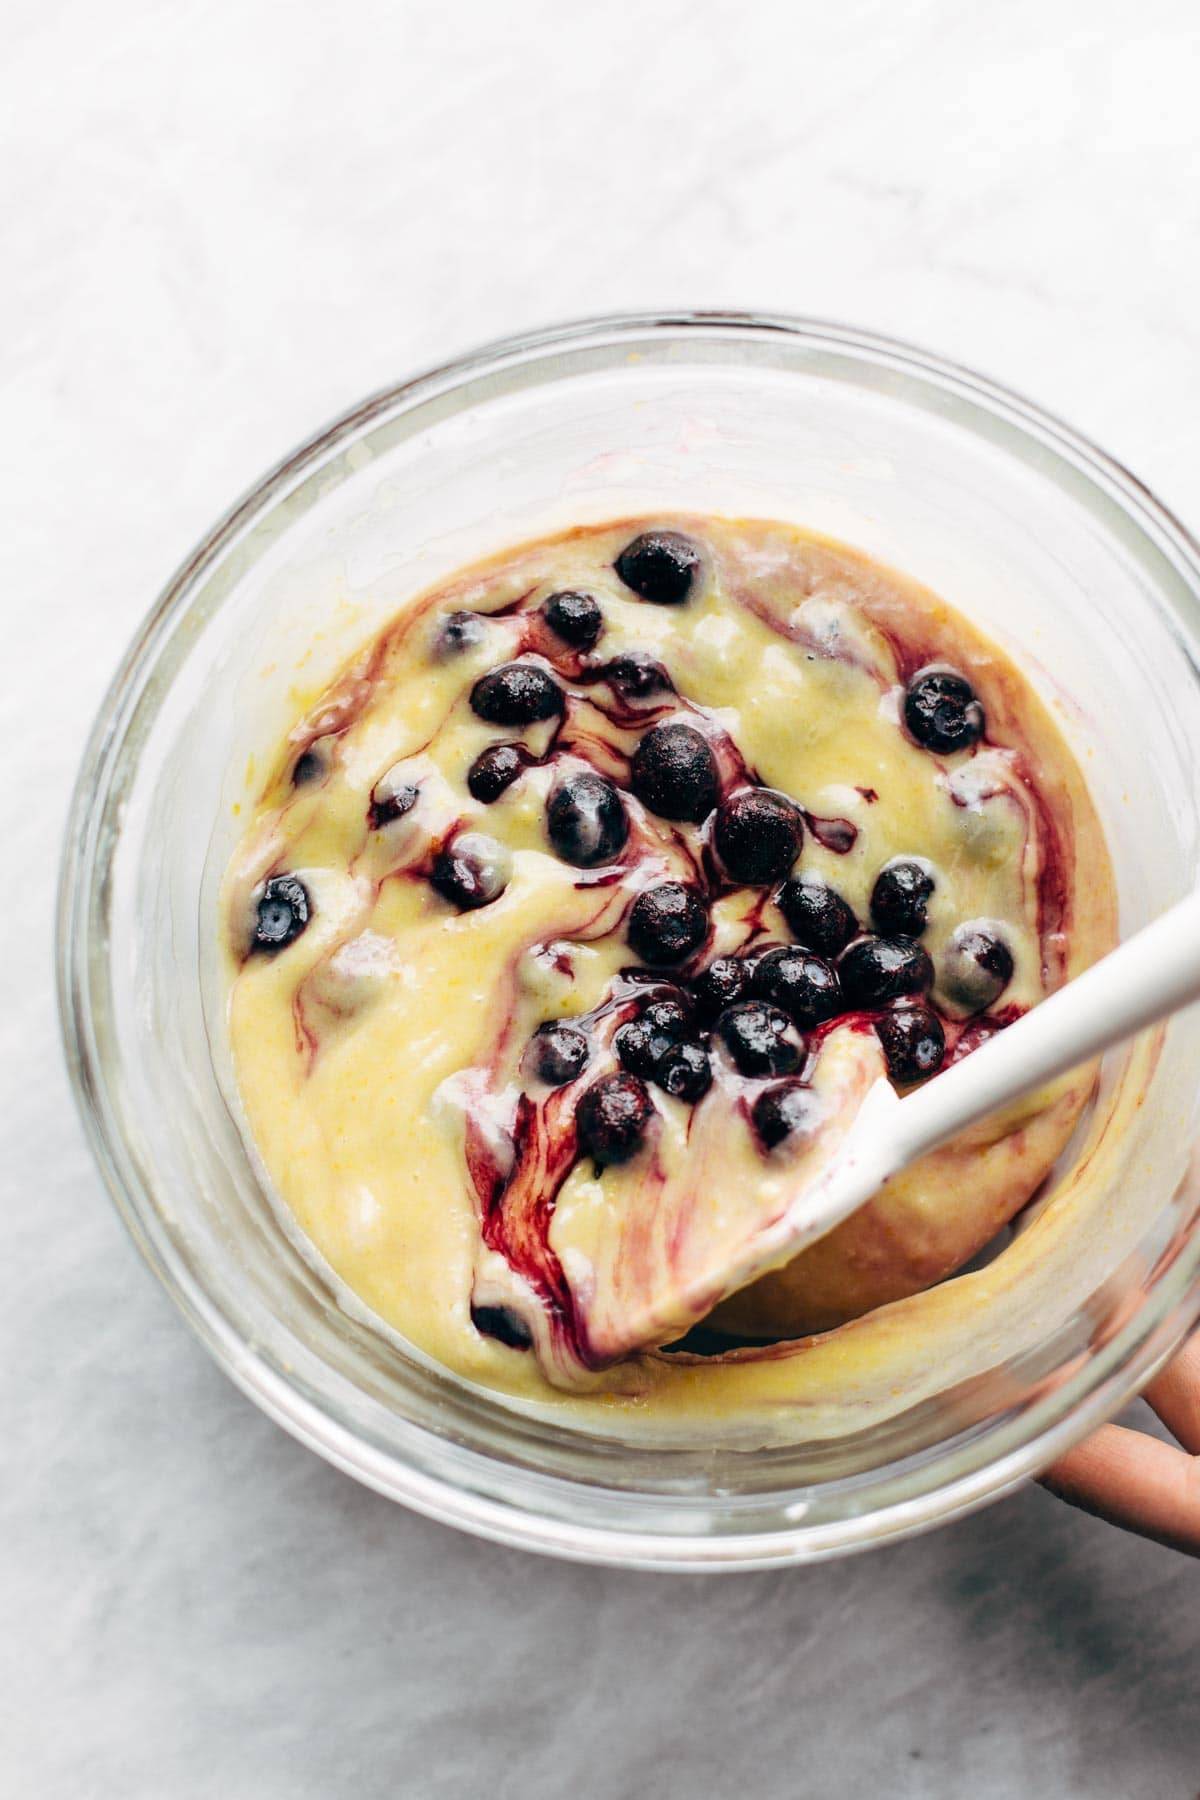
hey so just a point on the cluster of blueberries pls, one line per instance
(758, 1003)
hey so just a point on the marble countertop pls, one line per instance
(221, 225)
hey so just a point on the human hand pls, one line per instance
(1136, 1481)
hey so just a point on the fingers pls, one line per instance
(1175, 1396)
(1133, 1480)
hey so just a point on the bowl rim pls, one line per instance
(1131, 1357)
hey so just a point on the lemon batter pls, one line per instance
(390, 1037)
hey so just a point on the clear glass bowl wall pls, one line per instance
(1047, 545)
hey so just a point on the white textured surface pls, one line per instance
(221, 223)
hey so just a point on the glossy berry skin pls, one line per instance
(725, 981)
(471, 871)
(941, 711)
(874, 970)
(760, 1039)
(391, 802)
(674, 772)
(670, 1012)
(660, 566)
(586, 821)
(758, 834)
(638, 1050)
(494, 770)
(657, 1047)
(575, 618)
(636, 676)
(557, 1053)
(282, 913)
(612, 1118)
(685, 1072)
(460, 631)
(817, 915)
(786, 1109)
(666, 924)
(503, 1324)
(977, 967)
(801, 983)
(900, 897)
(914, 1043)
(517, 693)
(643, 1042)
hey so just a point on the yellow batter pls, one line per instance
(382, 1051)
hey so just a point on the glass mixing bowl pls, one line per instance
(1051, 547)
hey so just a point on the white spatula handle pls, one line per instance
(1153, 974)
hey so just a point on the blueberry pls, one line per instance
(667, 923)
(900, 897)
(637, 1049)
(585, 820)
(516, 693)
(758, 834)
(760, 1038)
(671, 1013)
(557, 1053)
(874, 970)
(800, 982)
(977, 966)
(493, 770)
(725, 981)
(636, 676)
(787, 1108)
(503, 1324)
(913, 1042)
(674, 772)
(642, 1044)
(391, 799)
(282, 913)
(460, 631)
(660, 566)
(817, 915)
(472, 871)
(941, 711)
(612, 1118)
(685, 1071)
(575, 618)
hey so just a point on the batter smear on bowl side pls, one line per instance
(581, 911)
